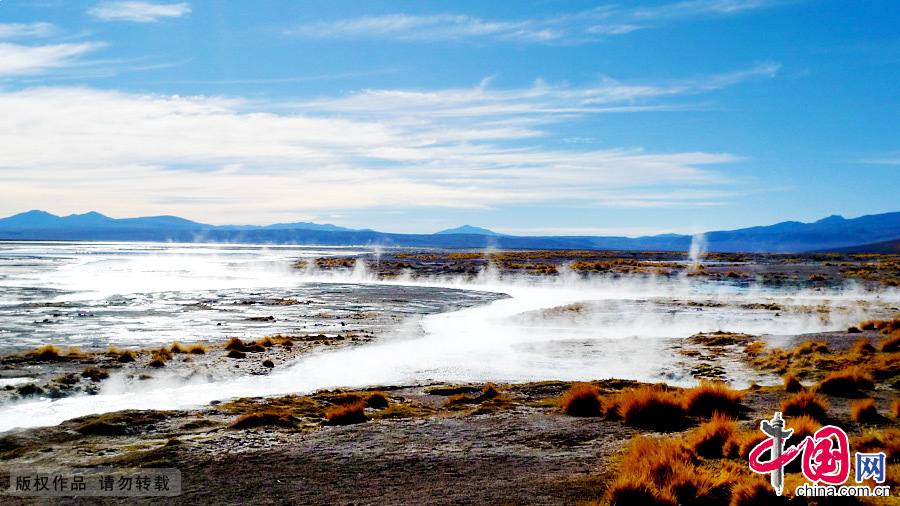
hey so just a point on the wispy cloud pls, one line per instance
(139, 12)
(576, 27)
(26, 30)
(21, 60)
(475, 148)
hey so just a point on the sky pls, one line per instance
(537, 117)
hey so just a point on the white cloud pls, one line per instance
(139, 12)
(576, 27)
(26, 30)
(19, 60)
(223, 159)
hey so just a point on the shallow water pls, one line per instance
(622, 327)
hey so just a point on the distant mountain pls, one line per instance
(831, 233)
(468, 229)
(885, 247)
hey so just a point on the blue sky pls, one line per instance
(528, 117)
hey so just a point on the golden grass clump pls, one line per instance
(741, 442)
(890, 344)
(754, 491)
(94, 374)
(268, 418)
(712, 397)
(806, 403)
(847, 382)
(651, 407)
(235, 344)
(377, 400)
(709, 440)
(176, 347)
(266, 342)
(663, 471)
(809, 347)
(871, 441)
(47, 353)
(197, 349)
(895, 408)
(346, 414)
(865, 411)
(582, 399)
(792, 384)
(862, 346)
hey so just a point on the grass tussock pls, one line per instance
(157, 362)
(94, 374)
(177, 348)
(754, 491)
(267, 418)
(346, 414)
(712, 397)
(848, 382)
(862, 346)
(865, 411)
(197, 349)
(377, 400)
(121, 356)
(582, 399)
(884, 326)
(890, 344)
(663, 471)
(709, 440)
(872, 441)
(652, 407)
(792, 384)
(806, 403)
(236, 354)
(741, 442)
(895, 408)
(235, 344)
(52, 353)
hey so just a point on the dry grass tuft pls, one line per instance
(742, 442)
(582, 399)
(346, 414)
(94, 374)
(266, 342)
(890, 344)
(268, 418)
(236, 354)
(846, 383)
(792, 384)
(865, 411)
(652, 407)
(862, 346)
(806, 403)
(235, 344)
(871, 441)
(47, 353)
(895, 408)
(709, 440)
(176, 347)
(754, 491)
(713, 397)
(377, 400)
(197, 349)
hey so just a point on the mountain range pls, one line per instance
(876, 233)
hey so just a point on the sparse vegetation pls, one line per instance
(582, 399)
(865, 411)
(377, 400)
(848, 382)
(346, 414)
(792, 384)
(177, 348)
(197, 349)
(806, 403)
(652, 407)
(709, 439)
(94, 374)
(267, 418)
(712, 397)
(890, 344)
